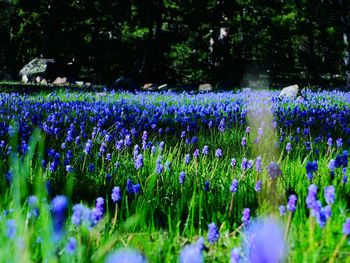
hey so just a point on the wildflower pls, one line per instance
(11, 228)
(339, 142)
(292, 203)
(258, 164)
(182, 177)
(159, 166)
(311, 197)
(288, 147)
(233, 162)
(125, 256)
(282, 210)
(246, 216)
(196, 153)
(234, 185)
(205, 150)
(257, 187)
(69, 168)
(244, 164)
(346, 227)
(244, 141)
(213, 233)
(206, 186)
(191, 254)
(139, 161)
(274, 170)
(116, 194)
(187, 158)
(329, 193)
(265, 242)
(33, 204)
(235, 256)
(71, 246)
(59, 208)
(218, 153)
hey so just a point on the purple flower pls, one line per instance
(257, 187)
(187, 158)
(205, 150)
(339, 142)
(132, 188)
(71, 246)
(258, 164)
(247, 130)
(282, 209)
(250, 164)
(159, 166)
(206, 186)
(244, 164)
(329, 193)
(234, 185)
(78, 214)
(218, 153)
(213, 233)
(116, 194)
(311, 197)
(182, 177)
(59, 208)
(11, 228)
(69, 168)
(322, 215)
(139, 161)
(235, 256)
(233, 162)
(330, 142)
(191, 254)
(222, 125)
(246, 216)
(125, 256)
(292, 203)
(33, 204)
(244, 141)
(97, 211)
(288, 147)
(274, 170)
(196, 153)
(265, 242)
(346, 227)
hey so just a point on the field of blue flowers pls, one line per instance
(174, 177)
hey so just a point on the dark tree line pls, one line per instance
(182, 41)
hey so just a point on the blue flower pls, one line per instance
(213, 233)
(71, 245)
(125, 256)
(116, 194)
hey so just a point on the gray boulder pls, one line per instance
(205, 87)
(35, 67)
(290, 92)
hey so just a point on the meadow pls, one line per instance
(174, 177)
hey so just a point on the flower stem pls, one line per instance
(336, 250)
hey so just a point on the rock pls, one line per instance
(79, 83)
(38, 79)
(24, 79)
(205, 87)
(123, 83)
(163, 86)
(60, 81)
(149, 87)
(43, 82)
(88, 84)
(35, 67)
(290, 92)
